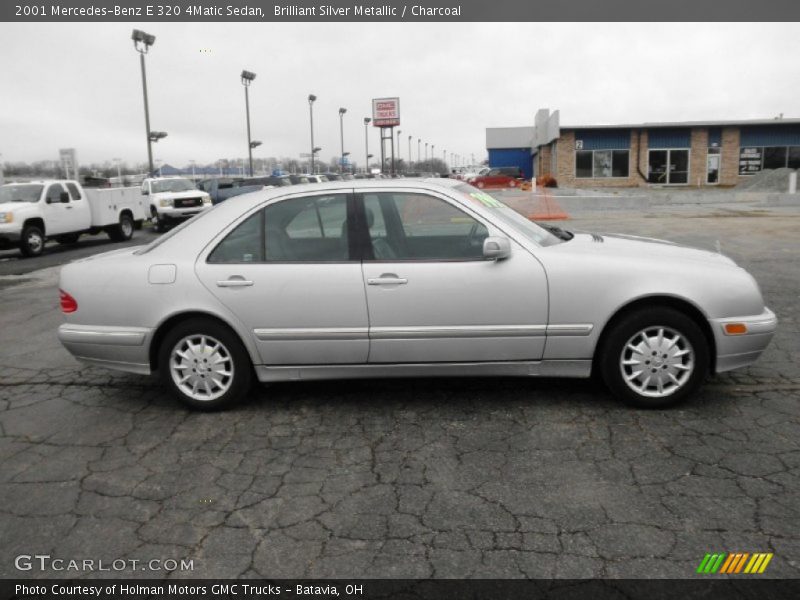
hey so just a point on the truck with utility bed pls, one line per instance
(62, 210)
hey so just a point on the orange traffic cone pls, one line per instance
(547, 209)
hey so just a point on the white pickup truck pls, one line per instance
(32, 213)
(172, 199)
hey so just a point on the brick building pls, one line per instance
(693, 153)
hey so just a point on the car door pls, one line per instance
(78, 213)
(55, 212)
(286, 272)
(433, 297)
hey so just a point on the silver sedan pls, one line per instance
(406, 279)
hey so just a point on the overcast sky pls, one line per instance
(79, 85)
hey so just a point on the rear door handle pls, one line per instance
(234, 283)
(387, 279)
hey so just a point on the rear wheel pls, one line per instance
(205, 364)
(123, 230)
(654, 358)
(32, 241)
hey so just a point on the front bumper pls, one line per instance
(9, 237)
(119, 348)
(735, 351)
(170, 212)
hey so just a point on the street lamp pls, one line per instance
(398, 145)
(313, 154)
(156, 135)
(426, 151)
(341, 137)
(311, 98)
(419, 145)
(142, 42)
(432, 153)
(367, 121)
(247, 79)
(409, 148)
(344, 156)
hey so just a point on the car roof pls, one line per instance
(254, 198)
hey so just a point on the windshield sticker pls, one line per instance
(486, 199)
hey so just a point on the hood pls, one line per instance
(631, 246)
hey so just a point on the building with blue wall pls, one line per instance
(692, 153)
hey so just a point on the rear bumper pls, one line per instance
(119, 348)
(735, 351)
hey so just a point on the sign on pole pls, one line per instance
(386, 112)
(69, 162)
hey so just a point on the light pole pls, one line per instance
(313, 154)
(344, 155)
(192, 162)
(2, 176)
(311, 98)
(398, 144)
(247, 79)
(119, 171)
(367, 121)
(419, 146)
(432, 154)
(341, 137)
(152, 139)
(142, 42)
(426, 151)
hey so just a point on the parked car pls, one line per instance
(273, 180)
(298, 179)
(222, 188)
(407, 279)
(173, 199)
(498, 177)
(61, 209)
(333, 176)
(316, 178)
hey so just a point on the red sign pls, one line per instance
(386, 112)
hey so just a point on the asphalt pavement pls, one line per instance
(406, 478)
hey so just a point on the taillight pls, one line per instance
(68, 303)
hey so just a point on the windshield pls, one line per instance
(20, 193)
(509, 216)
(171, 185)
(171, 233)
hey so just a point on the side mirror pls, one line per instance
(496, 248)
(64, 197)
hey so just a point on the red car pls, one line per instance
(499, 177)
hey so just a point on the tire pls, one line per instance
(212, 393)
(123, 230)
(670, 349)
(32, 241)
(68, 238)
(159, 225)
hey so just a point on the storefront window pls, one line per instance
(600, 164)
(775, 158)
(794, 157)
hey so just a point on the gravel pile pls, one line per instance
(768, 180)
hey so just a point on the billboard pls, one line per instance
(69, 162)
(386, 112)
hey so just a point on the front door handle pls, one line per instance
(387, 279)
(234, 282)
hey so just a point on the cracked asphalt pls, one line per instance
(418, 478)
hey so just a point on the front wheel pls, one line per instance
(32, 241)
(159, 224)
(654, 358)
(205, 364)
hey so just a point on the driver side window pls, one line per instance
(54, 193)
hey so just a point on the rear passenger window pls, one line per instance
(245, 244)
(308, 229)
(73, 191)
